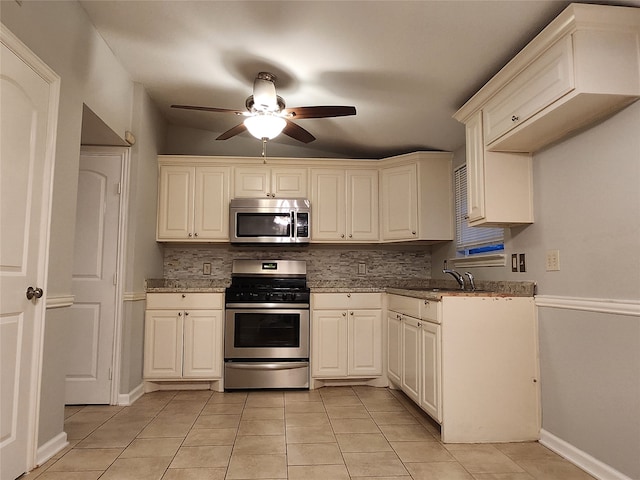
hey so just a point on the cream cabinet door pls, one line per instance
(202, 344)
(328, 204)
(394, 347)
(362, 205)
(329, 343)
(175, 202)
(399, 203)
(288, 182)
(365, 343)
(251, 182)
(431, 385)
(280, 182)
(475, 168)
(211, 205)
(163, 344)
(411, 370)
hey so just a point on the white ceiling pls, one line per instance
(406, 66)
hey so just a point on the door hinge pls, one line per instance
(115, 278)
(110, 375)
(119, 188)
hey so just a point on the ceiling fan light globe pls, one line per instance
(265, 126)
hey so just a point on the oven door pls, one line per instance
(266, 333)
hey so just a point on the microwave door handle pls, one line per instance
(293, 225)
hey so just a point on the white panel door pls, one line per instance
(211, 206)
(92, 318)
(394, 347)
(328, 203)
(27, 128)
(175, 202)
(163, 343)
(411, 358)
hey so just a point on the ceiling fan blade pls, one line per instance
(209, 109)
(297, 132)
(232, 132)
(320, 111)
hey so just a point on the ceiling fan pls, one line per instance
(267, 115)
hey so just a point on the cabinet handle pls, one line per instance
(419, 324)
(186, 314)
(350, 236)
(350, 313)
(184, 296)
(190, 235)
(399, 317)
(195, 234)
(413, 233)
(344, 314)
(342, 236)
(515, 118)
(348, 295)
(426, 302)
(179, 314)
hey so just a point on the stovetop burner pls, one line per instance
(268, 281)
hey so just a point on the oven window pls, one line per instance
(263, 224)
(266, 330)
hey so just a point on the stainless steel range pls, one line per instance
(266, 341)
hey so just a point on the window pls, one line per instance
(472, 240)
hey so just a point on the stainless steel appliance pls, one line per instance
(266, 341)
(269, 220)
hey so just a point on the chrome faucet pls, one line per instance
(472, 284)
(459, 278)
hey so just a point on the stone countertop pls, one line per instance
(169, 285)
(418, 288)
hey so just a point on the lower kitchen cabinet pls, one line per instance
(470, 362)
(346, 335)
(183, 337)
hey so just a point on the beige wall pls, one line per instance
(63, 37)
(587, 205)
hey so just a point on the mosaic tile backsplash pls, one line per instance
(324, 263)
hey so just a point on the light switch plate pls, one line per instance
(514, 262)
(522, 264)
(206, 268)
(362, 269)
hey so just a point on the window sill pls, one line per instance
(494, 260)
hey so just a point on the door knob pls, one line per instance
(34, 293)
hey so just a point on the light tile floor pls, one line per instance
(332, 433)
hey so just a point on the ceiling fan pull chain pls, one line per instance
(264, 149)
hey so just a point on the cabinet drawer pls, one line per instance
(429, 311)
(544, 81)
(405, 305)
(346, 300)
(212, 301)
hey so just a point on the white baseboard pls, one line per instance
(126, 399)
(49, 449)
(581, 459)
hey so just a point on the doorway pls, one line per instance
(97, 280)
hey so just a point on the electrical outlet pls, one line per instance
(553, 260)
(206, 268)
(522, 264)
(362, 269)
(514, 262)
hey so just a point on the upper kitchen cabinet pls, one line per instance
(193, 202)
(499, 184)
(345, 205)
(416, 197)
(583, 66)
(273, 182)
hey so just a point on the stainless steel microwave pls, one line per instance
(269, 220)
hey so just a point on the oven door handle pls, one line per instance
(267, 366)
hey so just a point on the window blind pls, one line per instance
(471, 239)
